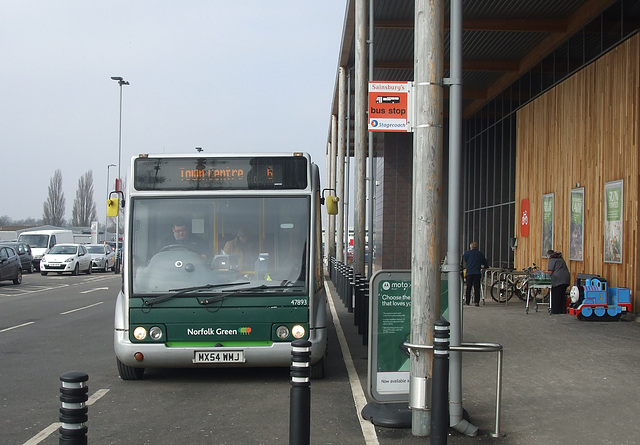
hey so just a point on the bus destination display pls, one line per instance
(220, 173)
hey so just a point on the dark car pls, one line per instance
(24, 252)
(10, 267)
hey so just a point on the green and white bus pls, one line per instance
(222, 262)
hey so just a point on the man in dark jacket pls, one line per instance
(474, 262)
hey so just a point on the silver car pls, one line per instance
(103, 258)
(61, 258)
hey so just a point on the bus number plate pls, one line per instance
(218, 357)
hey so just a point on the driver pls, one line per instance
(182, 237)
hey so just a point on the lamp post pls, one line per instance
(105, 215)
(121, 82)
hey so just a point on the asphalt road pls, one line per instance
(54, 324)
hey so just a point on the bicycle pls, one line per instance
(503, 289)
(511, 284)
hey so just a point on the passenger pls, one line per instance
(560, 279)
(244, 246)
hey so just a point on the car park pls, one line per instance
(61, 258)
(24, 252)
(10, 267)
(103, 257)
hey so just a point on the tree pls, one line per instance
(53, 207)
(84, 207)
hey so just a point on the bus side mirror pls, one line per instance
(112, 207)
(331, 202)
(332, 205)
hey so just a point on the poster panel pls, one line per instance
(576, 225)
(547, 223)
(613, 221)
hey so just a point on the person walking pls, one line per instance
(474, 262)
(560, 280)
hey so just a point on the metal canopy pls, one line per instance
(502, 40)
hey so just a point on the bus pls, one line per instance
(222, 262)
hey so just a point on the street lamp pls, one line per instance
(105, 216)
(121, 82)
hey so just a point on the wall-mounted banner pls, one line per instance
(547, 223)
(390, 106)
(613, 221)
(576, 225)
(525, 214)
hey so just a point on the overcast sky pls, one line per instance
(227, 76)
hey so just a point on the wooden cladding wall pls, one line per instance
(586, 131)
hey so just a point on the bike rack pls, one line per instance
(476, 347)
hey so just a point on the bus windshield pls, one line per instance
(179, 243)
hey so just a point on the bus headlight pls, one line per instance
(155, 333)
(298, 331)
(282, 332)
(140, 333)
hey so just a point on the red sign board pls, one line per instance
(389, 106)
(525, 216)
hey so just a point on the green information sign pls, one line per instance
(389, 329)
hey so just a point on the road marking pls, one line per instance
(93, 290)
(96, 396)
(17, 326)
(81, 308)
(42, 435)
(368, 429)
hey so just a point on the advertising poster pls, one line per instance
(547, 223)
(576, 225)
(394, 322)
(389, 370)
(613, 222)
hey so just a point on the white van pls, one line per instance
(42, 240)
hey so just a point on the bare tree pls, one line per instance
(53, 207)
(84, 207)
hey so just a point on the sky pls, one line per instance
(232, 76)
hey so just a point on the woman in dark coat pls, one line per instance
(560, 279)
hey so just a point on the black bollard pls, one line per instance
(440, 384)
(73, 410)
(300, 395)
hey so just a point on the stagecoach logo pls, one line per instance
(218, 331)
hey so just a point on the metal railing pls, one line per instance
(476, 347)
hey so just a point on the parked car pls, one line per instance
(102, 256)
(10, 267)
(61, 258)
(24, 252)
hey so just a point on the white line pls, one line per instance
(42, 435)
(17, 326)
(96, 396)
(93, 290)
(82, 308)
(368, 429)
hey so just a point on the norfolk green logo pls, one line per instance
(245, 331)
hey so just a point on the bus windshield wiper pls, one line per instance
(233, 292)
(185, 290)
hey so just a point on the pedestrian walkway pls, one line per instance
(565, 381)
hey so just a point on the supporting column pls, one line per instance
(427, 190)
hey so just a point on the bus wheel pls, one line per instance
(317, 370)
(129, 373)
